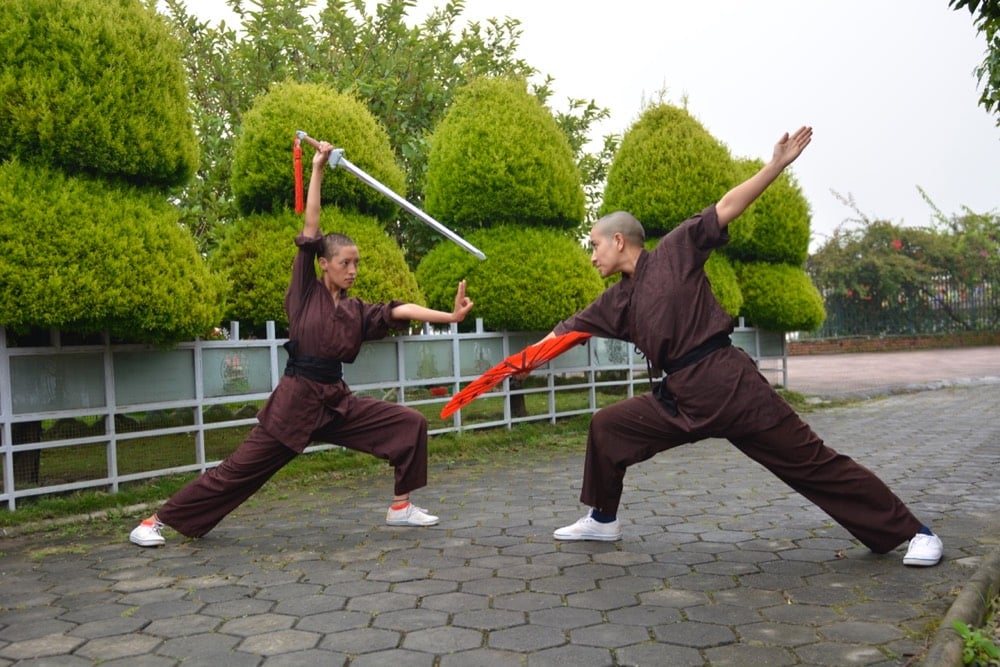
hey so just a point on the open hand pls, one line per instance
(463, 304)
(791, 146)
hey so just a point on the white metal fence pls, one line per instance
(99, 415)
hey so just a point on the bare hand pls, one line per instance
(463, 304)
(790, 147)
(322, 155)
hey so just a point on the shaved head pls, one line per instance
(622, 223)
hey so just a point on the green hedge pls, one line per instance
(775, 228)
(779, 297)
(667, 168)
(94, 86)
(255, 257)
(532, 278)
(499, 156)
(263, 177)
(82, 255)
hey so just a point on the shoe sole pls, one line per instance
(920, 562)
(147, 543)
(587, 538)
(407, 523)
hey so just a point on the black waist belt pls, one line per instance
(317, 369)
(714, 343)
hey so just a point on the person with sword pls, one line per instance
(312, 403)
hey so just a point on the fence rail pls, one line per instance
(100, 415)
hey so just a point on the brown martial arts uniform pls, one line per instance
(713, 389)
(304, 409)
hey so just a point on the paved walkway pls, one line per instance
(721, 564)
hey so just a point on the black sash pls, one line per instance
(716, 342)
(317, 369)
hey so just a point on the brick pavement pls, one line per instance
(721, 564)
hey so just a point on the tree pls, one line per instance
(893, 279)
(775, 228)
(531, 279)
(669, 167)
(499, 152)
(256, 252)
(93, 133)
(262, 175)
(986, 16)
(94, 88)
(530, 203)
(405, 75)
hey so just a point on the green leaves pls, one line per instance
(94, 87)
(262, 174)
(531, 279)
(499, 155)
(82, 255)
(667, 169)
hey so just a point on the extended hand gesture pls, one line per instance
(463, 304)
(790, 147)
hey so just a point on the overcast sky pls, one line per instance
(888, 88)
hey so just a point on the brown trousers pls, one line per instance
(388, 431)
(637, 428)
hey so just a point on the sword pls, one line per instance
(337, 159)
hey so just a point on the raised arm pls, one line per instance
(310, 227)
(411, 311)
(734, 202)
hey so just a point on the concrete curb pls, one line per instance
(969, 607)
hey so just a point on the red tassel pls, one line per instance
(300, 205)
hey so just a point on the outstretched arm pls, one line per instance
(411, 311)
(310, 225)
(734, 202)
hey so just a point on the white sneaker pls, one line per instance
(147, 535)
(589, 529)
(411, 515)
(924, 550)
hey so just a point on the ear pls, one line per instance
(619, 240)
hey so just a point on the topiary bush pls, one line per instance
(667, 168)
(83, 255)
(779, 297)
(725, 283)
(96, 87)
(775, 228)
(255, 257)
(499, 156)
(531, 279)
(262, 175)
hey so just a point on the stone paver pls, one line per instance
(721, 563)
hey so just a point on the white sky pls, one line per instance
(887, 86)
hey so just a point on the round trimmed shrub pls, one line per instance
(725, 284)
(779, 297)
(263, 178)
(497, 156)
(530, 280)
(82, 255)
(255, 257)
(775, 228)
(94, 87)
(667, 169)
